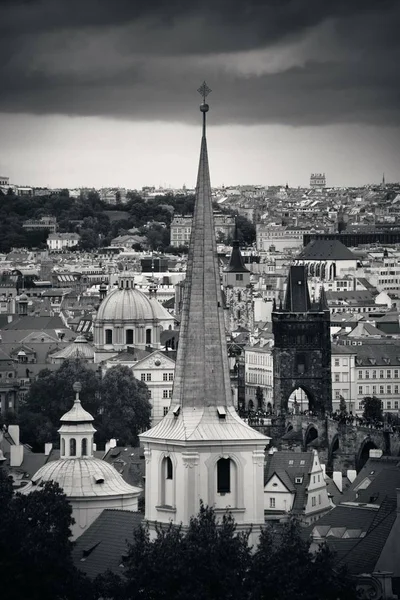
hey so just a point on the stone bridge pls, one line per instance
(340, 446)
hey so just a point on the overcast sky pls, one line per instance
(103, 92)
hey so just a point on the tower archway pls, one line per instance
(310, 435)
(363, 453)
(298, 401)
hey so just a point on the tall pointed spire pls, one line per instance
(202, 372)
(236, 264)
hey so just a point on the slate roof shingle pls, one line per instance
(105, 542)
(326, 250)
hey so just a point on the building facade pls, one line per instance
(181, 228)
(56, 242)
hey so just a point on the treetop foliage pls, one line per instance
(372, 409)
(213, 560)
(89, 216)
(35, 549)
(119, 404)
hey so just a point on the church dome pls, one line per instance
(126, 305)
(84, 477)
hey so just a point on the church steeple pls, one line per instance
(202, 449)
(202, 372)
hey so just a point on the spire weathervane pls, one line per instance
(204, 90)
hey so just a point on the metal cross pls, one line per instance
(204, 90)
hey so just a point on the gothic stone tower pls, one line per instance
(202, 449)
(302, 346)
(238, 291)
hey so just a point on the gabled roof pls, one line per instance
(326, 250)
(288, 466)
(104, 544)
(150, 361)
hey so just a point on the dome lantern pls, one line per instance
(76, 431)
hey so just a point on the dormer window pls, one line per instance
(221, 413)
(298, 480)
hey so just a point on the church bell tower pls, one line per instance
(202, 449)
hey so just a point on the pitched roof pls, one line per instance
(326, 250)
(288, 466)
(363, 557)
(236, 264)
(103, 545)
(297, 297)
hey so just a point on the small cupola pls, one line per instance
(76, 431)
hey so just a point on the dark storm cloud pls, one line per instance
(144, 59)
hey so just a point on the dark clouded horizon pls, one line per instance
(289, 63)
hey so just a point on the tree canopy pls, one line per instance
(88, 216)
(35, 549)
(372, 408)
(119, 404)
(125, 406)
(51, 395)
(212, 561)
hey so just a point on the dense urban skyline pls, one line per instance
(102, 94)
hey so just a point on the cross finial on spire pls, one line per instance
(204, 90)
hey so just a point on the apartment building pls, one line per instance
(181, 228)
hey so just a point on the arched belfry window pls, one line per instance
(167, 482)
(224, 476)
(84, 447)
(169, 469)
(72, 447)
(109, 336)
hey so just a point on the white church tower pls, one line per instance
(202, 449)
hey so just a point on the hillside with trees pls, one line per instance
(90, 217)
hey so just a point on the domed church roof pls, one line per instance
(81, 476)
(126, 305)
(84, 477)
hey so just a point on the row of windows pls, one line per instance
(272, 501)
(147, 376)
(72, 447)
(382, 374)
(344, 377)
(345, 362)
(388, 389)
(389, 405)
(254, 358)
(108, 334)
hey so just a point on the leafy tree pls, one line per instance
(35, 549)
(372, 408)
(206, 563)
(282, 568)
(125, 406)
(246, 230)
(51, 395)
(213, 561)
(259, 397)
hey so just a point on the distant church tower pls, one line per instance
(302, 346)
(238, 292)
(202, 449)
